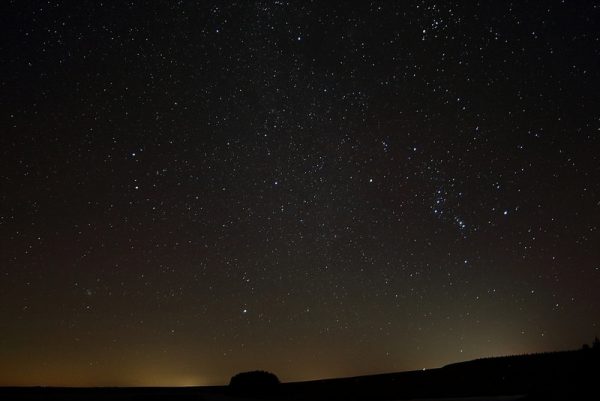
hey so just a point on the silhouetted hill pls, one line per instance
(568, 375)
(547, 375)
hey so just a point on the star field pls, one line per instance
(193, 189)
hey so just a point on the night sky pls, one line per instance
(189, 189)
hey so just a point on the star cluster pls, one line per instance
(191, 189)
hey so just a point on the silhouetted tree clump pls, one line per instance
(595, 346)
(255, 383)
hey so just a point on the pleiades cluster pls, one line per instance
(190, 189)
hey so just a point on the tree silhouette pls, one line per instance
(254, 383)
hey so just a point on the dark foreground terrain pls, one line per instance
(569, 375)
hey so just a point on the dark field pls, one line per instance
(570, 375)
